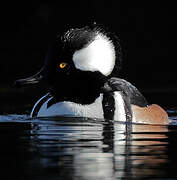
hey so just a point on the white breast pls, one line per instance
(67, 108)
(119, 114)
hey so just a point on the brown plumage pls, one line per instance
(152, 114)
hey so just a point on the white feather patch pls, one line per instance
(67, 108)
(99, 55)
(119, 113)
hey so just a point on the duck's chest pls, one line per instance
(111, 108)
(67, 108)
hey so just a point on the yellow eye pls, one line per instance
(63, 65)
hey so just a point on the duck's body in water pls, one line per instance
(82, 69)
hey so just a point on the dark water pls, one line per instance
(77, 148)
(84, 149)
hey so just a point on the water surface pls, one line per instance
(82, 148)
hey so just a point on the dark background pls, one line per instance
(147, 30)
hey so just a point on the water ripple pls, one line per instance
(83, 148)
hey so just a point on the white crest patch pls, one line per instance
(99, 55)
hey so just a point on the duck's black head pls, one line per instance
(79, 63)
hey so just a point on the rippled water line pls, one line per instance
(92, 149)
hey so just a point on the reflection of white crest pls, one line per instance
(99, 55)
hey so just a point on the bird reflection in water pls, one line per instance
(102, 149)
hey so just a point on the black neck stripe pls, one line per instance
(40, 103)
(108, 103)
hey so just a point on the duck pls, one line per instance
(82, 70)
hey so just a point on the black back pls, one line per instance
(130, 91)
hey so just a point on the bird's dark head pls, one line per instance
(79, 62)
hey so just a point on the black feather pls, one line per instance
(130, 91)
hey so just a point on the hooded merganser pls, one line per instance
(82, 69)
